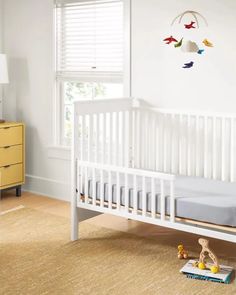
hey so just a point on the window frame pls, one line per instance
(58, 101)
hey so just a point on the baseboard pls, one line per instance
(47, 187)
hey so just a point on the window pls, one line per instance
(91, 51)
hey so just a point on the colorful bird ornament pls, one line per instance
(190, 26)
(188, 65)
(170, 40)
(207, 43)
(179, 44)
(200, 51)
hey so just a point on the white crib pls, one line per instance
(127, 156)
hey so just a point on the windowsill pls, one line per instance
(59, 152)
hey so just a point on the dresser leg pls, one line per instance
(18, 191)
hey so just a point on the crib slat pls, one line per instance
(122, 150)
(97, 139)
(144, 197)
(116, 139)
(142, 139)
(94, 187)
(78, 179)
(232, 155)
(118, 192)
(189, 164)
(101, 188)
(205, 161)
(137, 144)
(104, 139)
(162, 200)
(81, 178)
(119, 140)
(135, 194)
(164, 143)
(172, 144)
(150, 141)
(223, 149)
(128, 151)
(153, 198)
(214, 174)
(136, 139)
(90, 138)
(153, 142)
(197, 146)
(86, 184)
(83, 139)
(126, 193)
(172, 202)
(158, 142)
(133, 133)
(180, 144)
(125, 136)
(110, 124)
(109, 190)
(132, 138)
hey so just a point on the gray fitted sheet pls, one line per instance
(199, 199)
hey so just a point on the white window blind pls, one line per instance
(90, 37)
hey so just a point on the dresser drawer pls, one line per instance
(11, 155)
(11, 174)
(11, 136)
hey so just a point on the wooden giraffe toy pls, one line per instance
(207, 252)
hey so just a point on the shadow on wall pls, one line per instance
(18, 89)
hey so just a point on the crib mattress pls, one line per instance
(198, 199)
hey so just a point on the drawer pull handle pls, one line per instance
(7, 166)
(7, 147)
(6, 127)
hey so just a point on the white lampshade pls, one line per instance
(3, 69)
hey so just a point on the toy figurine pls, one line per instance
(182, 253)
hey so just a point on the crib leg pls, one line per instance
(74, 224)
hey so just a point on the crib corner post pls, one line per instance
(74, 207)
(74, 223)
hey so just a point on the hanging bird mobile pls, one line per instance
(170, 40)
(183, 43)
(190, 26)
(188, 65)
(179, 44)
(207, 43)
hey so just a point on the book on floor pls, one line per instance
(193, 272)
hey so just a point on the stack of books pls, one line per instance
(193, 272)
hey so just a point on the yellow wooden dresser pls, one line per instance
(12, 156)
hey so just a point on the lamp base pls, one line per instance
(2, 121)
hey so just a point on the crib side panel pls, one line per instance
(104, 131)
(186, 143)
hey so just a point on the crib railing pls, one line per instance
(90, 174)
(123, 133)
(104, 131)
(186, 143)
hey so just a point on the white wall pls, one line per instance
(156, 67)
(28, 41)
(1, 39)
(156, 72)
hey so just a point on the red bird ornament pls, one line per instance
(190, 26)
(170, 40)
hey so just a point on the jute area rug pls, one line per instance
(37, 257)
